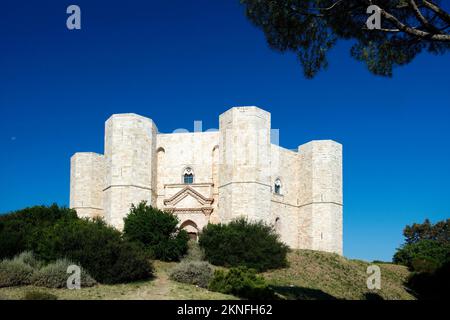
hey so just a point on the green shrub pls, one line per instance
(193, 272)
(426, 252)
(423, 255)
(16, 228)
(156, 231)
(242, 243)
(424, 265)
(96, 247)
(54, 275)
(431, 285)
(29, 258)
(15, 272)
(39, 295)
(130, 264)
(54, 233)
(241, 282)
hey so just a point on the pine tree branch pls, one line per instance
(414, 32)
(421, 17)
(439, 11)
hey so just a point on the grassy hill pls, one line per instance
(159, 288)
(310, 275)
(319, 275)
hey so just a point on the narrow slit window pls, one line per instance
(277, 186)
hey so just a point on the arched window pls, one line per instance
(277, 186)
(160, 155)
(188, 176)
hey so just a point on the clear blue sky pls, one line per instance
(180, 61)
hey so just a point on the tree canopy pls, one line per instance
(310, 28)
(426, 252)
(427, 245)
(157, 231)
(440, 231)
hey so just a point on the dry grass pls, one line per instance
(318, 275)
(310, 275)
(160, 288)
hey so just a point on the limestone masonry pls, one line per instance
(215, 177)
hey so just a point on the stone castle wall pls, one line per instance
(284, 206)
(130, 142)
(235, 170)
(87, 180)
(175, 153)
(244, 169)
(320, 196)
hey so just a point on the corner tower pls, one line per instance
(87, 181)
(320, 196)
(130, 143)
(244, 164)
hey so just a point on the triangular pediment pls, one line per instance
(188, 197)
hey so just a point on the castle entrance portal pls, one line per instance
(191, 228)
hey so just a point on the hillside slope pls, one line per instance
(159, 288)
(319, 275)
(310, 275)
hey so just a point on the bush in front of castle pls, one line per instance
(198, 273)
(97, 247)
(54, 233)
(241, 282)
(242, 243)
(157, 232)
(25, 269)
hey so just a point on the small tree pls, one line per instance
(157, 231)
(426, 252)
(424, 255)
(242, 243)
(426, 247)
(439, 232)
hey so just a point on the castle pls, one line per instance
(214, 177)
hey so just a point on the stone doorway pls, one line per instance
(191, 228)
(193, 236)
